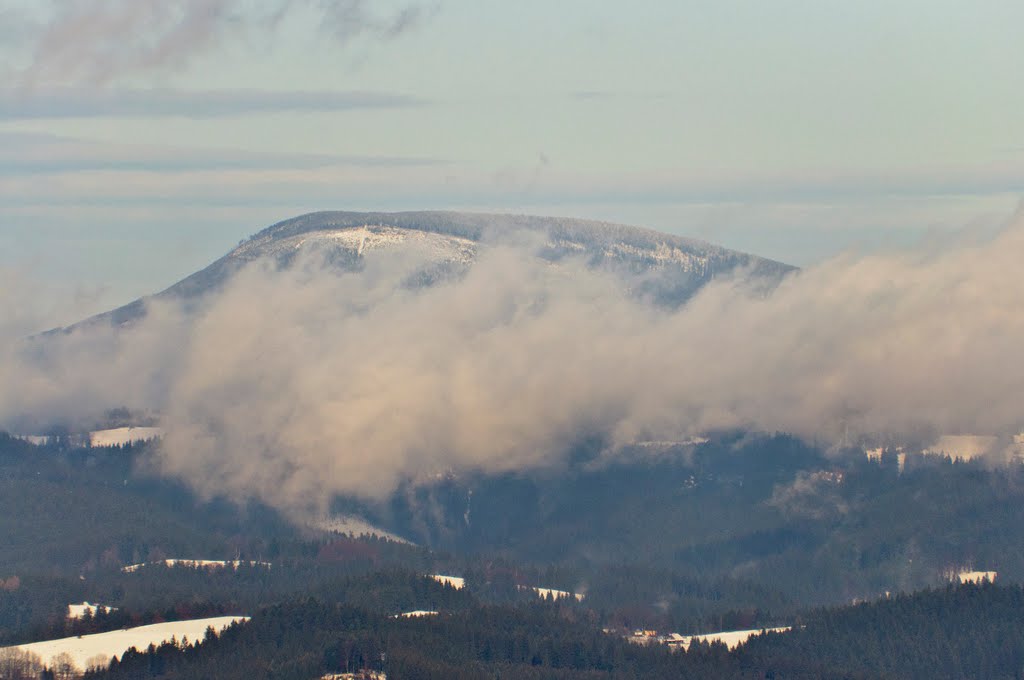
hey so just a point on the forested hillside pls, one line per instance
(958, 632)
(735, 533)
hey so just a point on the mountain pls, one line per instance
(666, 268)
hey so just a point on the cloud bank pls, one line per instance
(297, 384)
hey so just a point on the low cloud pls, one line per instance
(298, 384)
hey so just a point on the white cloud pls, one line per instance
(299, 384)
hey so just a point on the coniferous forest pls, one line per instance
(748, 533)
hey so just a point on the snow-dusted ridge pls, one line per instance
(682, 265)
(359, 241)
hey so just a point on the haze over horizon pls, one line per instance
(791, 131)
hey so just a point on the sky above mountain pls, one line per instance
(139, 140)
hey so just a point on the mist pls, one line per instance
(293, 385)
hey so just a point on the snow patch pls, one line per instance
(87, 648)
(197, 564)
(975, 576)
(732, 638)
(78, 611)
(121, 436)
(361, 239)
(652, 444)
(456, 582)
(554, 594)
(355, 526)
(118, 436)
(418, 613)
(662, 254)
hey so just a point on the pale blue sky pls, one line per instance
(790, 129)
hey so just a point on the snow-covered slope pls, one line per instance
(971, 576)
(731, 639)
(118, 436)
(87, 650)
(416, 614)
(354, 526)
(674, 267)
(456, 582)
(78, 611)
(553, 593)
(197, 564)
(124, 435)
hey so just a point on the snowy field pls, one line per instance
(119, 436)
(77, 611)
(88, 650)
(354, 526)
(553, 593)
(198, 564)
(976, 576)
(456, 582)
(732, 638)
(124, 435)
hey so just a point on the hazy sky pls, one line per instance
(139, 140)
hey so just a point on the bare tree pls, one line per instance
(64, 668)
(18, 664)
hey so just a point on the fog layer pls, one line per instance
(295, 384)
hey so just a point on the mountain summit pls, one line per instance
(663, 267)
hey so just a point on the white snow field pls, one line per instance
(124, 435)
(355, 526)
(732, 638)
(198, 564)
(88, 649)
(553, 593)
(77, 611)
(976, 576)
(456, 582)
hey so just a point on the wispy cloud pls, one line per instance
(233, 178)
(128, 103)
(99, 41)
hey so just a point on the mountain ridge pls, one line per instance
(693, 262)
